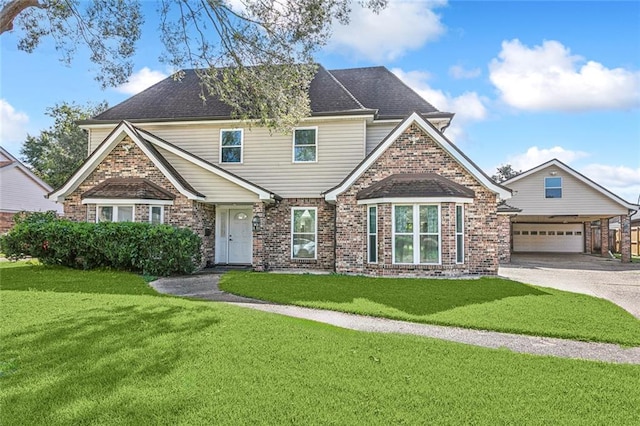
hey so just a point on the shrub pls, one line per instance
(141, 247)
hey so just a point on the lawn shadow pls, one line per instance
(74, 364)
(418, 297)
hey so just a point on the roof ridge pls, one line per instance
(333, 77)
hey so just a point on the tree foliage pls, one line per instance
(58, 151)
(505, 172)
(244, 49)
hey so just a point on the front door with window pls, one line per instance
(234, 241)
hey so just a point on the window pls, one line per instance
(305, 145)
(516, 232)
(303, 232)
(534, 232)
(416, 244)
(114, 214)
(231, 146)
(372, 232)
(553, 187)
(459, 234)
(156, 215)
(543, 232)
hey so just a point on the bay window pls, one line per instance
(372, 233)
(416, 234)
(114, 214)
(459, 234)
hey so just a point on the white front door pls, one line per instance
(240, 237)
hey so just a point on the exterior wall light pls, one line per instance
(256, 223)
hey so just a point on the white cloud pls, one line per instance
(621, 180)
(536, 156)
(141, 80)
(468, 107)
(13, 127)
(549, 77)
(459, 72)
(386, 36)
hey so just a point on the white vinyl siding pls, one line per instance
(267, 158)
(20, 192)
(577, 197)
(376, 133)
(548, 237)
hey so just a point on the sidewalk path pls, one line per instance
(205, 286)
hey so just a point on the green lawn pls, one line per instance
(486, 303)
(93, 358)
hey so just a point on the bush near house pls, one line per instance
(139, 247)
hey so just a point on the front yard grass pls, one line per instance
(94, 358)
(486, 303)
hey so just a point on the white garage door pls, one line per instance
(551, 237)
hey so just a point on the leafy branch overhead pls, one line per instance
(244, 49)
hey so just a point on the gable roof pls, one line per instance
(555, 162)
(8, 161)
(145, 141)
(439, 138)
(357, 91)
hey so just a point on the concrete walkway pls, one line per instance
(204, 286)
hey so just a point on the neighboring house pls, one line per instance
(21, 190)
(615, 235)
(555, 206)
(368, 184)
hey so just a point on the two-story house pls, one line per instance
(367, 184)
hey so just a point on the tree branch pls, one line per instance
(13, 9)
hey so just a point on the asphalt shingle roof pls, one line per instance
(349, 91)
(415, 185)
(130, 187)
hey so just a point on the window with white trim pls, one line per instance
(304, 232)
(305, 145)
(231, 141)
(460, 234)
(156, 215)
(372, 234)
(114, 213)
(416, 234)
(553, 187)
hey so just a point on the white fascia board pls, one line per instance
(126, 201)
(262, 194)
(332, 195)
(577, 175)
(417, 200)
(226, 122)
(96, 158)
(116, 136)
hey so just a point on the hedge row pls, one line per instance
(140, 247)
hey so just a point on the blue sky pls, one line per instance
(528, 81)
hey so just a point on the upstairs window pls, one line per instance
(231, 146)
(305, 144)
(553, 187)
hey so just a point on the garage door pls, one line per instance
(550, 237)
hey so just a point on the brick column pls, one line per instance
(588, 235)
(504, 238)
(604, 236)
(625, 238)
(259, 262)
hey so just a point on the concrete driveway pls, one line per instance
(593, 275)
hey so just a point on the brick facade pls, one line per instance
(272, 243)
(604, 236)
(504, 238)
(6, 221)
(416, 152)
(128, 160)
